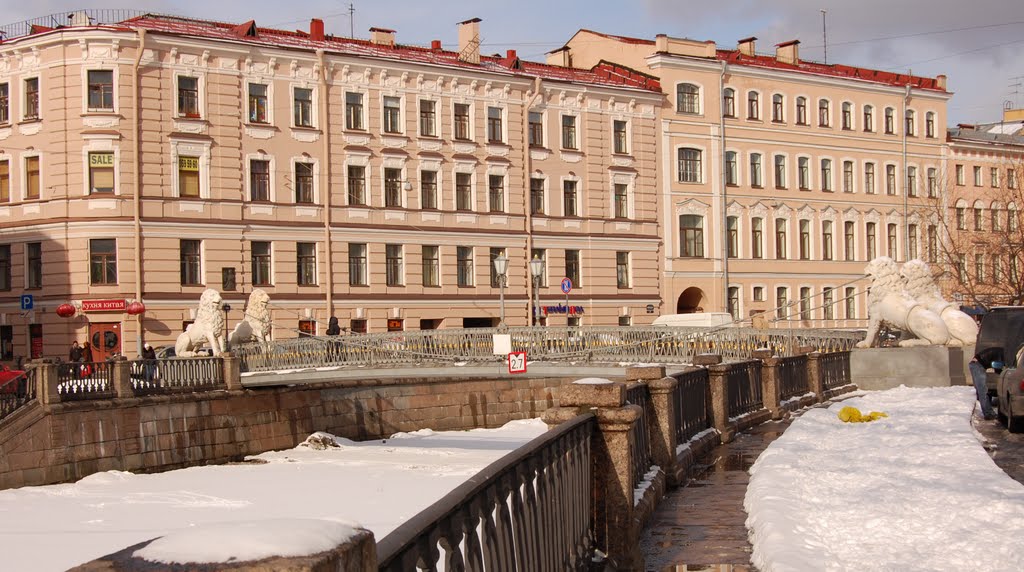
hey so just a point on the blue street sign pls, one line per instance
(26, 302)
(566, 285)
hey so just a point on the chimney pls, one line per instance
(469, 41)
(382, 36)
(435, 45)
(316, 29)
(746, 46)
(788, 52)
(940, 81)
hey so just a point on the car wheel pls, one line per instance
(1013, 424)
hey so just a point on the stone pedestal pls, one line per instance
(232, 371)
(718, 401)
(924, 366)
(662, 423)
(770, 386)
(47, 382)
(121, 376)
(814, 378)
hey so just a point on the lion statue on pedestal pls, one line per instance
(889, 303)
(208, 327)
(256, 324)
(963, 330)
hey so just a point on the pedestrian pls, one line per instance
(148, 362)
(333, 328)
(75, 355)
(982, 361)
(86, 359)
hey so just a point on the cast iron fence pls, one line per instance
(16, 392)
(745, 391)
(793, 378)
(530, 510)
(177, 375)
(639, 433)
(835, 369)
(690, 401)
(85, 380)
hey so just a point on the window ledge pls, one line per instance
(30, 120)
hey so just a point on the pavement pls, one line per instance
(702, 526)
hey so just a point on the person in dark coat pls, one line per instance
(75, 355)
(333, 329)
(149, 362)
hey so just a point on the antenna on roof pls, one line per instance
(351, 20)
(824, 35)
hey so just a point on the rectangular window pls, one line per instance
(34, 265)
(101, 89)
(569, 198)
(101, 172)
(890, 121)
(190, 259)
(732, 236)
(997, 271)
(823, 113)
(464, 261)
(428, 190)
(307, 328)
(869, 178)
(780, 171)
(912, 241)
(891, 240)
(960, 177)
(932, 183)
(5, 103)
(392, 114)
(356, 185)
(102, 261)
(753, 105)
(847, 116)
(691, 236)
(1011, 178)
(463, 191)
(780, 239)
(259, 180)
(805, 303)
(729, 103)
(622, 269)
(782, 302)
(428, 118)
(259, 105)
(826, 175)
(304, 183)
(305, 263)
(826, 240)
(393, 264)
(496, 193)
(354, 111)
(357, 271)
(801, 111)
(188, 177)
(847, 176)
(997, 224)
(569, 132)
(777, 107)
(851, 303)
(541, 255)
(5, 268)
(960, 266)
(619, 136)
(536, 129)
(757, 238)
(733, 302)
(993, 174)
(536, 196)
(978, 219)
(495, 278)
(804, 173)
(357, 326)
(31, 98)
(977, 176)
(621, 191)
(758, 293)
(261, 274)
(828, 303)
(929, 124)
(392, 188)
(961, 218)
(849, 241)
(431, 266)
(979, 268)
(303, 107)
(890, 179)
(494, 128)
(805, 239)
(462, 121)
(871, 239)
(32, 181)
(911, 181)
(731, 175)
(755, 170)
(572, 267)
(690, 166)
(188, 96)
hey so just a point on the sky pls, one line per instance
(914, 491)
(976, 44)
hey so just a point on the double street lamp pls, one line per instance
(500, 268)
(536, 267)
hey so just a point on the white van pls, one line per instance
(697, 320)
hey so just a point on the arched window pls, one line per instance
(869, 118)
(687, 98)
(801, 111)
(729, 102)
(910, 123)
(690, 169)
(731, 175)
(847, 115)
(753, 105)
(778, 105)
(890, 121)
(929, 124)
(823, 113)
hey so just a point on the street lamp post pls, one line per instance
(536, 267)
(500, 267)
(225, 307)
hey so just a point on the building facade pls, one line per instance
(154, 157)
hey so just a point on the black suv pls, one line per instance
(1003, 327)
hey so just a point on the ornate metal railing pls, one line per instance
(530, 510)
(17, 392)
(690, 401)
(94, 16)
(584, 344)
(85, 380)
(835, 369)
(745, 391)
(177, 375)
(793, 378)
(639, 433)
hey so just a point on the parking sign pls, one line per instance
(26, 302)
(566, 285)
(517, 362)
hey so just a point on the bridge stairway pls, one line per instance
(700, 526)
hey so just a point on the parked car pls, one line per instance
(1003, 327)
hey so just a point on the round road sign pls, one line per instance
(566, 285)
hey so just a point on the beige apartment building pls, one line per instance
(145, 159)
(780, 178)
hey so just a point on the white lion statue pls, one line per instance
(889, 303)
(256, 324)
(963, 330)
(207, 329)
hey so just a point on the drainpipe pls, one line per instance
(137, 199)
(527, 168)
(326, 187)
(906, 191)
(725, 192)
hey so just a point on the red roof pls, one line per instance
(603, 74)
(834, 70)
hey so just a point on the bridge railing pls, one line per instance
(835, 369)
(86, 380)
(639, 433)
(690, 401)
(530, 510)
(793, 376)
(587, 344)
(149, 377)
(746, 392)
(17, 392)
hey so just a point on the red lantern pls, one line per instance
(65, 310)
(136, 308)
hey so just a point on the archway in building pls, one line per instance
(690, 301)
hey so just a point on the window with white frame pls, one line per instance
(536, 129)
(31, 110)
(912, 240)
(570, 198)
(393, 267)
(496, 193)
(849, 241)
(354, 111)
(356, 179)
(890, 235)
(690, 169)
(803, 165)
(890, 121)
(302, 107)
(357, 264)
(933, 183)
(495, 132)
(393, 188)
(305, 263)
(460, 123)
(103, 261)
(5, 103)
(826, 175)
(780, 171)
(756, 178)
(573, 264)
(569, 132)
(805, 239)
(428, 118)
(620, 136)
(688, 98)
(780, 239)
(5, 180)
(463, 191)
(960, 177)
(428, 190)
(732, 224)
(890, 179)
(911, 181)
(33, 265)
(850, 303)
(993, 176)
(801, 111)
(304, 183)
(977, 175)
(871, 240)
(826, 240)
(392, 114)
(869, 178)
(805, 303)
(621, 200)
(259, 180)
(622, 277)
(464, 264)
(188, 176)
(691, 236)
(101, 172)
(757, 237)
(431, 267)
(778, 108)
(753, 105)
(100, 90)
(188, 97)
(733, 303)
(847, 176)
(537, 201)
(731, 176)
(259, 103)
(847, 119)
(260, 263)
(729, 102)
(190, 258)
(910, 123)
(929, 124)
(782, 302)
(869, 118)
(824, 114)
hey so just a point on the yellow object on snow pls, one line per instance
(853, 415)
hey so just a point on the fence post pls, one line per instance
(814, 378)
(46, 382)
(121, 377)
(718, 400)
(770, 390)
(232, 371)
(615, 529)
(661, 420)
